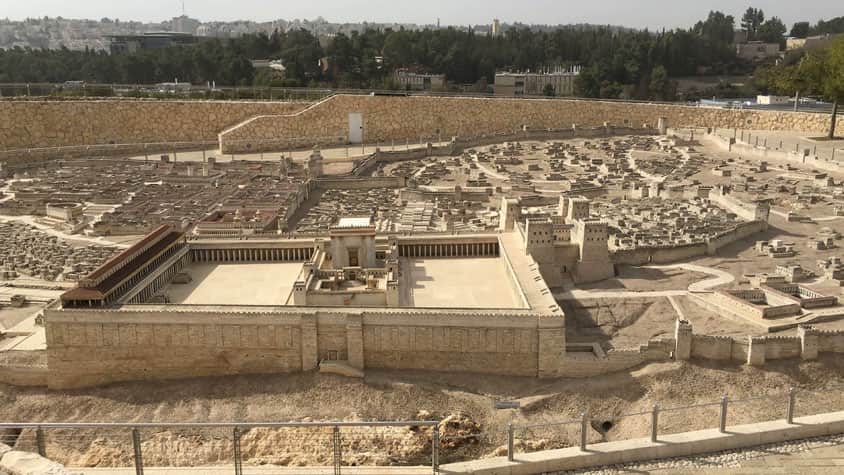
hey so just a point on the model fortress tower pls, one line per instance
(566, 243)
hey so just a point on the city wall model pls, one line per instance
(387, 118)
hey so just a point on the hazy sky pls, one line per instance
(636, 13)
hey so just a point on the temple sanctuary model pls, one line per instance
(171, 306)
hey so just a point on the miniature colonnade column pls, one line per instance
(252, 255)
(483, 249)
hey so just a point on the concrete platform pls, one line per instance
(248, 283)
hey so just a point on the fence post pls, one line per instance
(238, 458)
(584, 426)
(792, 399)
(39, 440)
(435, 449)
(655, 423)
(139, 459)
(722, 425)
(338, 455)
(510, 442)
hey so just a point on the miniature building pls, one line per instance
(315, 169)
(67, 212)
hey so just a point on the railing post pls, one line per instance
(510, 442)
(238, 458)
(722, 424)
(435, 449)
(338, 455)
(655, 423)
(39, 441)
(139, 459)
(792, 399)
(584, 427)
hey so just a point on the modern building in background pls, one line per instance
(411, 81)
(536, 84)
(154, 40)
(810, 43)
(757, 50)
(185, 24)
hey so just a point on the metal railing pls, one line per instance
(589, 426)
(230, 441)
(236, 443)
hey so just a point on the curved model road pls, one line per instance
(719, 277)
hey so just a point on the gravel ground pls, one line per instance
(718, 460)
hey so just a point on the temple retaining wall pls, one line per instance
(93, 347)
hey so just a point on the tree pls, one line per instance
(821, 73)
(548, 90)
(751, 21)
(833, 81)
(771, 31)
(800, 30)
(661, 88)
(718, 27)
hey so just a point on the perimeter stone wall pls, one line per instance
(33, 124)
(387, 118)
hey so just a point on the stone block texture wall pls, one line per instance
(87, 348)
(32, 124)
(400, 118)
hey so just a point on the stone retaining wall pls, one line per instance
(407, 118)
(33, 124)
(88, 348)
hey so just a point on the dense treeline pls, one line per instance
(617, 63)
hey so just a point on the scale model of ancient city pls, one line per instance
(485, 260)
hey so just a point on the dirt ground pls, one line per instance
(618, 323)
(475, 428)
(630, 322)
(638, 279)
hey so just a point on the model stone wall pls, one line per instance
(657, 254)
(87, 348)
(780, 348)
(712, 347)
(134, 346)
(32, 124)
(407, 118)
